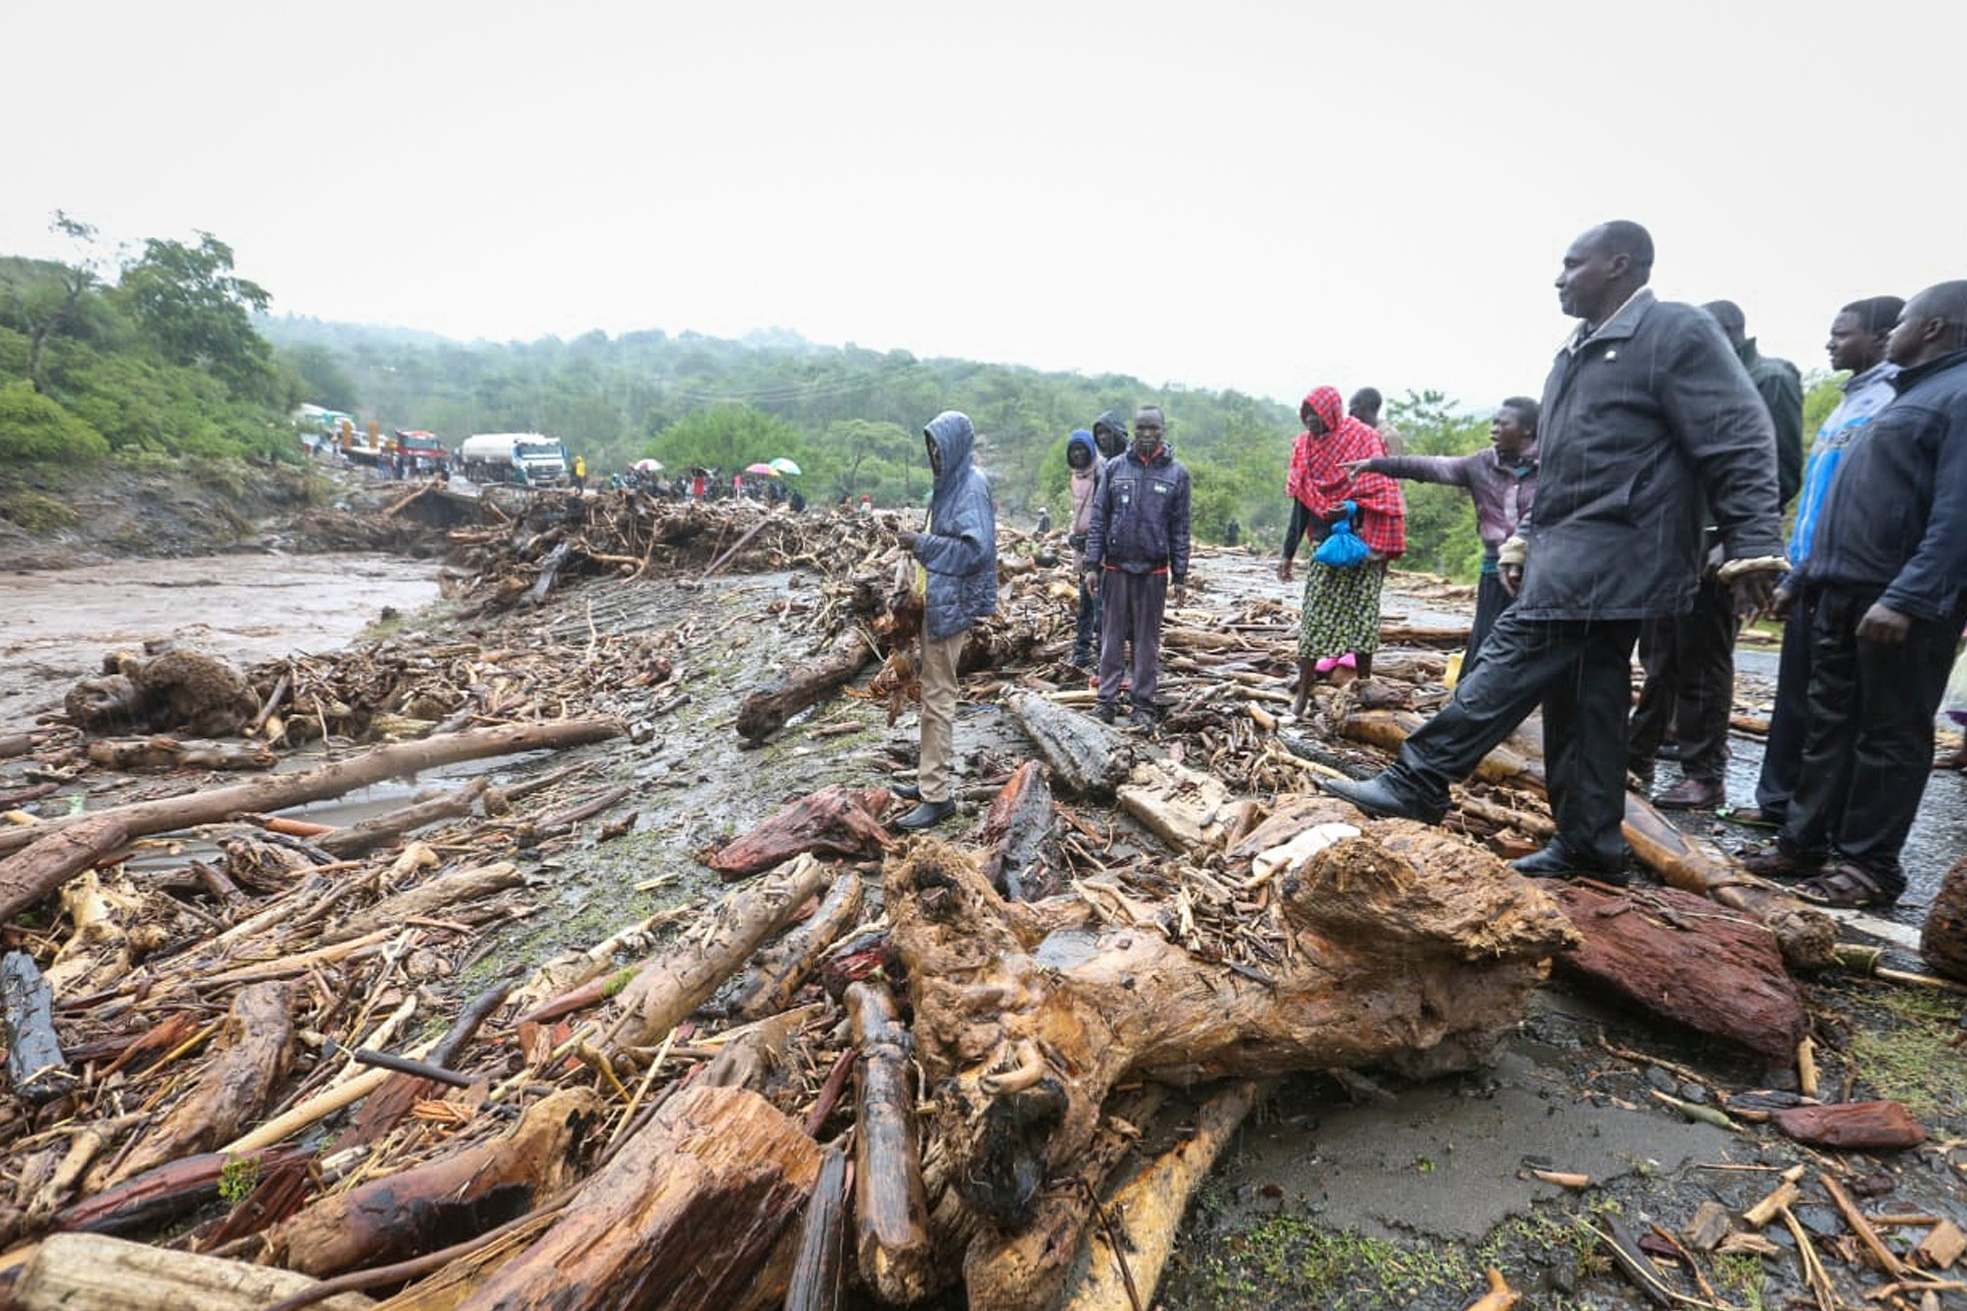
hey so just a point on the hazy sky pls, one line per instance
(1222, 194)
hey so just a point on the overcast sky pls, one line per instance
(1222, 194)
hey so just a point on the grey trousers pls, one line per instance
(1130, 610)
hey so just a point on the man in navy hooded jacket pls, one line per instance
(958, 556)
(1137, 543)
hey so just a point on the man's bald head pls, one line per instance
(1933, 323)
(1734, 324)
(1603, 268)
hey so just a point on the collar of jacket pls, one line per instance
(1918, 373)
(1883, 371)
(1623, 323)
(1525, 459)
(1162, 456)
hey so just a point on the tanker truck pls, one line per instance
(526, 458)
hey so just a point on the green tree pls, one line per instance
(727, 437)
(53, 303)
(32, 427)
(1441, 536)
(198, 312)
(322, 379)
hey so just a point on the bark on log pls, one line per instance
(835, 821)
(144, 1200)
(769, 986)
(1880, 1126)
(444, 1201)
(713, 1167)
(1807, 934)
(283, 790)
(37, 1071)
(1148, 1209)
(765, 712)
(253, 1050)
(57, 855)
(672, 985)
(1024, 862)
(819, 1269)
(1407, 948)
(447, 1288)
(1186, 809)
(19, 744)
(170, 753)
(755, 1058)
(455, 888)
(391, 1102)
(891, 1210)
(1672, 954)
(383, 829)
(1943, 942)
(1086, 757)
(91, 1272)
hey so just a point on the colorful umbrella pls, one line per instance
(763, 470)
(648, 466)
(786, 466)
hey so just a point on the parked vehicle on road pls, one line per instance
(529, 459)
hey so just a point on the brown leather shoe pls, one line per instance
(1692, 794)
(1779, 863)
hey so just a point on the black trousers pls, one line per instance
(1491, 599)
(1868, 751)
(1782, 757)
(1690, 684)
(1580, 672)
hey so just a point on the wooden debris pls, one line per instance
(455, 888)
(772, 981)
(835, 821)
(1943, 1246)
(58, 854)
(1023, 860)
(1879, 1126)
(93, 1272)
(1708, 1227)
(891, 1214)
(1499, 1297)
(764, 713)
(171, 753)
(384, 829)
(36, 1069)
(1086, 757)
(1785, 1193)
(1185, 808)
(1943, 939)
(819, 1270)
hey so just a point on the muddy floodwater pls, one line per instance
(55, 626)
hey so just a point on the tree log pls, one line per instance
(891, 1211)
(686, 1217)
(769, 986)
(444, 1201)
(170, 753)
(1880, 1126)
(1024, 862)
(1672, 954)
(1186, 809)
(764, 713)
(758, 1056)
(1148, 1209)
(835, 821)
(386, 828)
(1087, 758)
(1943, 942)
(1406, 947)
(455, 888)
(36, 1069)
(91, 1272)
(819, 1269)
(675, 983)
(253, 1050)
(156, 1195)
(58, 854)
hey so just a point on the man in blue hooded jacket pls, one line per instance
(958, 556)
(1137, 544)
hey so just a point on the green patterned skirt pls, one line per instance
(1341, 610)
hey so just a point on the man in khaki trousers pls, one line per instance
(957, 556)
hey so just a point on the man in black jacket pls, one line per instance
(1645, 408)
(1888, 571)
(1690, 658)
(1137, 543)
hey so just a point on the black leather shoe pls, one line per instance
(907, 791)
(1143, 719)
(927, 815)
(1377, 799)
(1105, 712)
(1556, 862)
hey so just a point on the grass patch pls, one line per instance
(1908, 1058)
(1294, 1259)
(1741, 1274)
(36, 512)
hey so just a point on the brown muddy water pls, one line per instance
(55, 626)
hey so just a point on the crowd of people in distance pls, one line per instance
(1637, 506)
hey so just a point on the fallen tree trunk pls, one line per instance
(764, 713)
(445, 1201)
(455, 888)
(1022, 1031)
(835, 821)
(1807, 934)
(713, 1165)
(1148, 1210)
(891, 1210)
(19, 744)
(36, 1069)
(769, 986)
(669, 987)
(57, 855)
(170, 753)
(373, 833)
(1672, 954)
(90, 1272)
(819, 1270)
(253, 1050)
(1023, 861)
(280, 791)
(1086, 757)
(144, 1200)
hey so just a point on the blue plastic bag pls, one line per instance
(1342, 547)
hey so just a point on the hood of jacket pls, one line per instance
(1326, 403)
(1112, 425)
(954, 438)
(1080, 437)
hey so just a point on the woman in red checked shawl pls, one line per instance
(1340, 622)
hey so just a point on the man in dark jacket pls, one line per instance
(1644, 409)
(1110, 435)
(1888, 572)
(958, 576)
(1690, 658)
(1136, 543)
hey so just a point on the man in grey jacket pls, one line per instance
(1137, 544)
(958, 558)
(1645, 409)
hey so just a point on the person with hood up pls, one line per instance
(1340, 620)
(957, 575)
(1110, 436)
(1137, 541)
(1082, 457)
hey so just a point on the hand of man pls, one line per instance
(1179, 593)
(1093, 581)
(1284, 570)
(1780, 603)
(1511, 576)
(1753, 593)
(908, 539)
(1884, 625)
(1353, 468)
